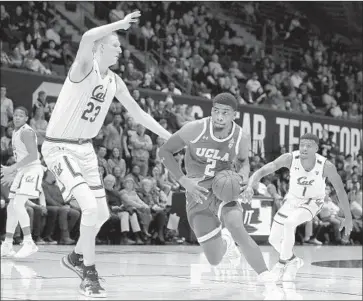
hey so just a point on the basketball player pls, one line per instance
(304, 200)
(77, 117)
(26, 184)
(214, 144)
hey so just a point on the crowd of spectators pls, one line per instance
(137, 185)
(34, 37)
(202, 55)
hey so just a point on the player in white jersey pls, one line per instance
(304, 200)
(77, 117)
(26, 184)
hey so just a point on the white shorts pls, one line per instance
(73, 164)
(28, 182)
(291, 203)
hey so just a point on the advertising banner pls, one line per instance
(269, 128)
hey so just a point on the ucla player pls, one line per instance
(214, 144)
(26, 184)
(304, 200)
(77, 117)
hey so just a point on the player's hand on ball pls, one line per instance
(247, 194)
(347, 224)
(191, 186)
(131, 18)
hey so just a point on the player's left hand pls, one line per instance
(247, 194)
(130, 18)
(7, 174)
(347, 224)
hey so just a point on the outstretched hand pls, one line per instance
(247, 194)
(131, 18)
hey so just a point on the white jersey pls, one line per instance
(19, 148)
(81, 107)
(304, 184)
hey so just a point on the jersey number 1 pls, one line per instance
(90, 108)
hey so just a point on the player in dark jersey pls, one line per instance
(214, 144)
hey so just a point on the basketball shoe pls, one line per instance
(74, 262)
(90, 285)
(28, 248)
(7, 249)
(277, 271)
(291, 268)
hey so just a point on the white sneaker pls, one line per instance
(7, 249)
(232, 252)
(291, 268)
(277, 271)
(27, 249)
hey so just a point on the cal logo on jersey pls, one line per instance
(304, 182)
(98, 94)
(211, 154)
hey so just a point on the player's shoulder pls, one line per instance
(193, 129)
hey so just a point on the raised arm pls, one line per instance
(123, 95)
(82, 64)
(282, 161)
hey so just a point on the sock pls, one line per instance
(286, 261)
(88, 244)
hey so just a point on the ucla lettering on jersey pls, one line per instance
(307, 184)
(19, 148)
(207, 155)
(82, 107)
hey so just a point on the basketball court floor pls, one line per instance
(181, 272)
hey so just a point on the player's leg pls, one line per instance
(232, 217)
(287, 258)
(11, 224)
(207, 229)
(62, 160)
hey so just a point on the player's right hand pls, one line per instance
(191, 185)
(130, 18)
(247, 194)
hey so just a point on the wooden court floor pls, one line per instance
(181, 272)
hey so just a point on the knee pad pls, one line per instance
(89, 216)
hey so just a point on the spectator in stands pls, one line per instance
(53, 53)
(132, 76)
(7, 110)
(141, 146)
(39, 125)
(33, 64)
(253, 87)
(130, 198)
(18, 21)
(67, 216)
(117, 13)
(51, 33)
(149, 194)
(116, 160)
(117, 172)
(124, 215)
(329, 213)
(214, 65)
(101, 154)
(171, 89)
(42, 102)
(6, 146)
(160, 180)
(113, 135)
(147, 31)
(135, 175)
(355, 200)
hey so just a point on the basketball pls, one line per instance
(226, 185)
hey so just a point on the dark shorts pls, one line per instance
(205, 219)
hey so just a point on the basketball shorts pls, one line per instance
(28, 182)
(291, 203)
(205, 219)
(73, 164)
